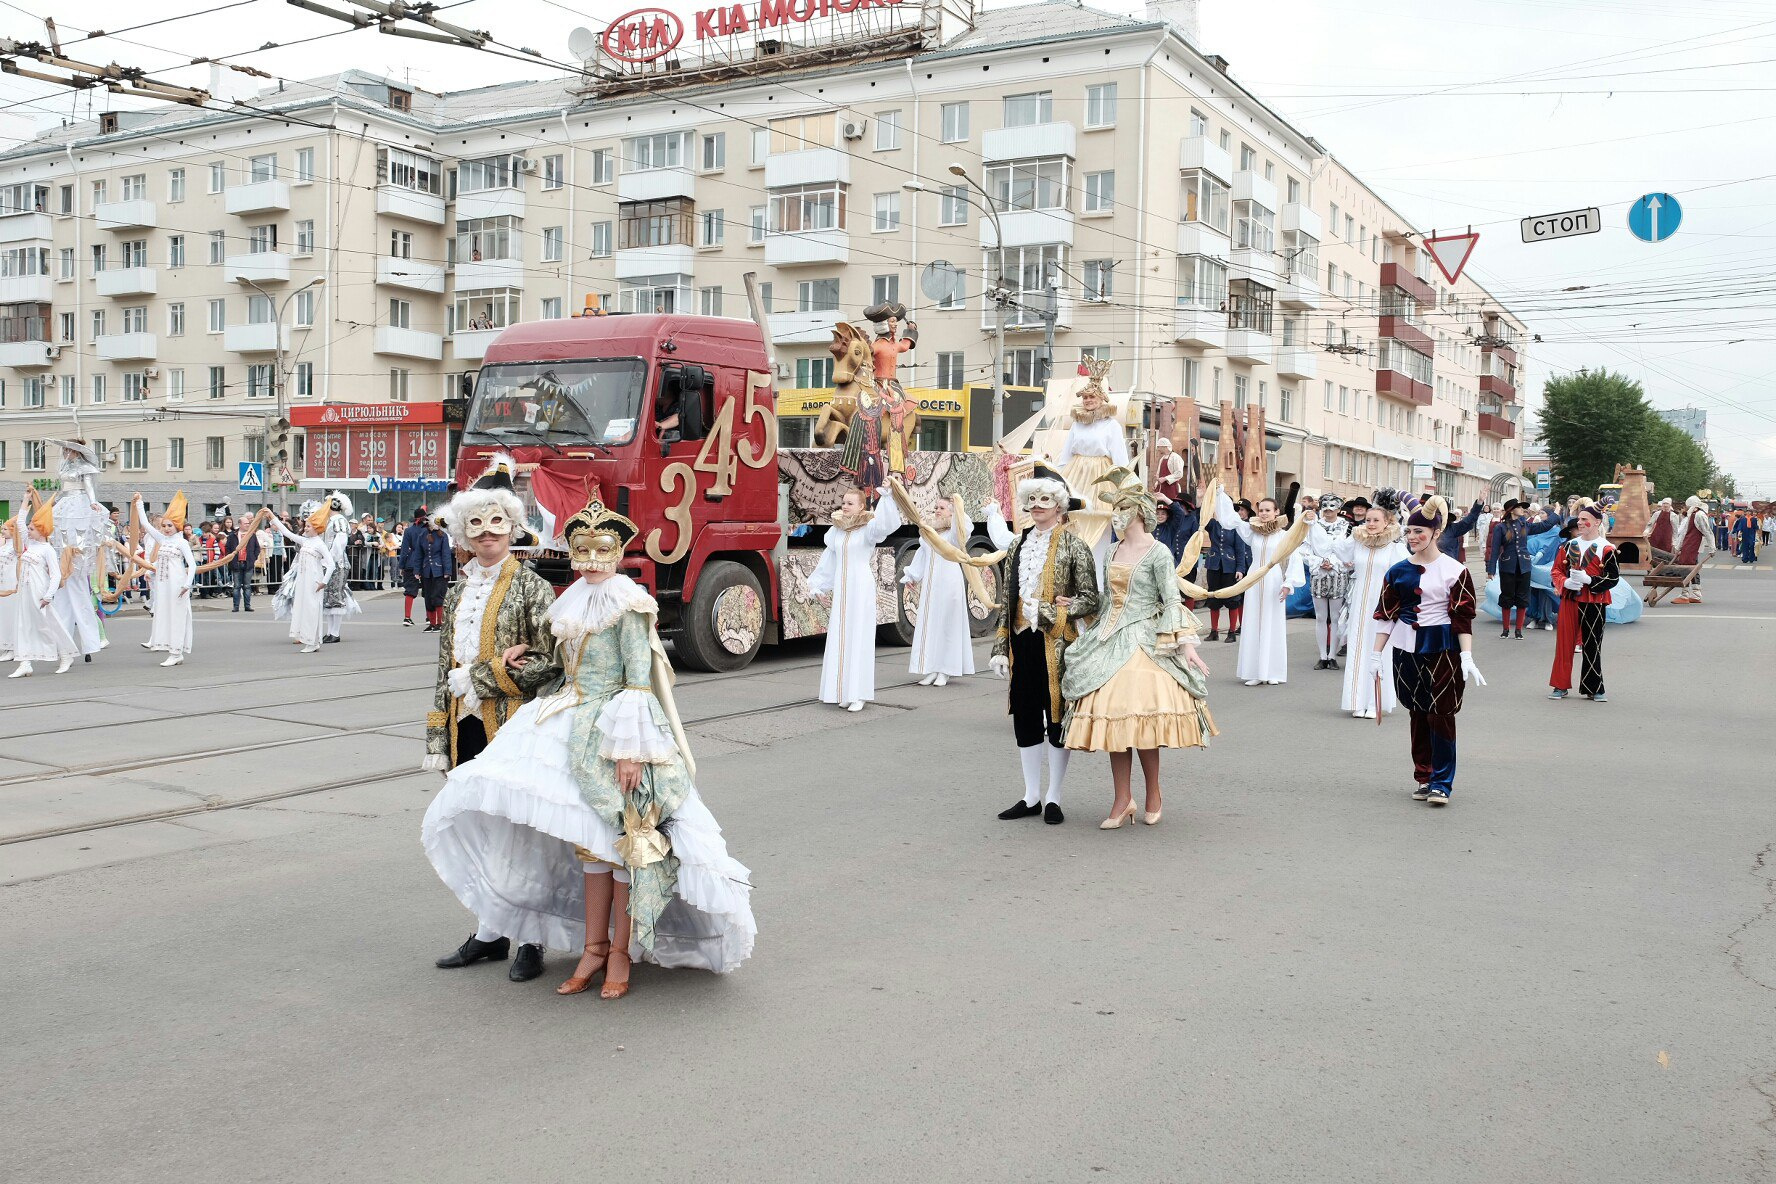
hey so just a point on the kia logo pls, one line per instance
(643, 35)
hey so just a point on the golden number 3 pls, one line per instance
(680, 475)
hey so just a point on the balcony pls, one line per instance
(668, 259)
(491, 203)
(1031, 319)
(1250, 263)
(1028, 142)
(807, 246)
(1200, 152)
(1396, 275)
(410, 343)
(1497, 426)
(20, 228)
(261, 197)
(262, 267)
(135, 214)
(1204, 327)
(1298, 218)
(656, 184)
(26, 355)
(1299, 290)
(1399, 386)
(1504, 353)
(128, 281)
(397, 201)
(1249, 345)
(470, 345)
(411, 274)
(259, 338)
(480, 274)
(127, 347)
(810, 166)
(803, 328)
(1409, 335)
(1297, 361)
(26, 289)
(1492, 384)
(1250, 185)
(1199, 238)
(1029, 228)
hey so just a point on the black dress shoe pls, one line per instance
(1517, 636)
(1019, 809)
(527, 965)
(329, 641)
(1332, 664)
(473, 951)
(1233, 635)
(88, 658)
(1214, 635)
(1052, 815)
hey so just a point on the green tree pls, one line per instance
(1591, 422)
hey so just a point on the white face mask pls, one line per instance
(1120, 520)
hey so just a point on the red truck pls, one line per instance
(671, 419)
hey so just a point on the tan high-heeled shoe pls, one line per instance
(1153, 818)
(614, 989)
(1115, 822)
(579, 983)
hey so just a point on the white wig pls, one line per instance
(465, 505)
(1031, 488)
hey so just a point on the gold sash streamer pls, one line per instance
(970, 564)
(1296, 535)
(641, 844)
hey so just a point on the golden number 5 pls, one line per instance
(677, 474)
(758, 459)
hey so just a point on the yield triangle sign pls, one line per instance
(1450, 253)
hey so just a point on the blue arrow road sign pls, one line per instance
(252, 476)
(1654, 218)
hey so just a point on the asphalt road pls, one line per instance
(220, 929)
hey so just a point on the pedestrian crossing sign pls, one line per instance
(252, 476)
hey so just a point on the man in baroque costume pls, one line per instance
(496, 653)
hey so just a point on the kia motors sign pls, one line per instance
(647, 34)
(643, 35)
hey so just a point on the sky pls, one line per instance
(1459, 115)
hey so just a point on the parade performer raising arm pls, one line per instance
(1427, 614)
(1371, 550)
(579, 825)
(846, 578)
(38, 633)
(174, 571)
(81, 524)
(1584, 576)
(943, 647)
(301, 600)
(1049, 584)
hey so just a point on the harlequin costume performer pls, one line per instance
(1427, 614)
(1328, 578)
(579, 826)
(1049, 585)
(1585, 574)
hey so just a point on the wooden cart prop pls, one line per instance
(1668, 577)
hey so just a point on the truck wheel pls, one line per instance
(983, 619)
(724, 622)
(899, 631)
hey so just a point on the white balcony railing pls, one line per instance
(127, 347)
(263, 267)
(410, 273)
(135, 214)
(470, 345)
(128, 281)
(807, 246)
(399, 202)
(410, 343)
(261, 197)
(260, 338)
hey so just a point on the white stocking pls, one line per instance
(1032, 758)
(484, 932)
(1057, 772)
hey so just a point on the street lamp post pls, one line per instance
(999, 292)
(277, 378)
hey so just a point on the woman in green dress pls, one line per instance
(1134, 683)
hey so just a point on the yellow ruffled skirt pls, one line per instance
(1082, 473)
(1140, 707)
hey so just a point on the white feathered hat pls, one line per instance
(492, 488)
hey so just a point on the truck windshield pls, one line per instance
(589, 402)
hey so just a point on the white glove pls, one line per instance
(1575, 581)
(1470, 671)
(461, 682)
(1000, 665)
(1376, 663)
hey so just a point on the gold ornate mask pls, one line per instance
(595, 550)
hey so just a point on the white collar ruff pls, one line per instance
(591, 608)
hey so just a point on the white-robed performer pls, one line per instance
(1328, 578)
(943, 647)
(337, 601)
(579, 825)
(1263, 643)
(1370, 549)
(38, 634)
(846, 577)
(11, 534)
(300, 600)
(81, 524)
(174, 571)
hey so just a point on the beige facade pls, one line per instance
(1196, 238)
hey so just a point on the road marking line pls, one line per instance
(1702, 617)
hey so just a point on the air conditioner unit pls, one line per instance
(854, 129)
(525, 164)
(151, 372)
(783, 370)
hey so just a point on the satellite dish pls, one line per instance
(583, 44)
(939, 279)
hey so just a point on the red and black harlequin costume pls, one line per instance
(1426, 611)
(1584, 575)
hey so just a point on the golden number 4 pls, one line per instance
(676, 475)
(717, 454)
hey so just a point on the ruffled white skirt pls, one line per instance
(501, 835)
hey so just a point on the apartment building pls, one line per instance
(156, 268)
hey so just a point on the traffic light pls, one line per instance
(280, 441)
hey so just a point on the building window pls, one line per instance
(1020, 367)
(817, 295)
(176, 453)
(64, 327)
(479, 239)
(655, 293)
(135, 387)
(262, 240)
(554, 172)
(175, 386)
(819, 207)
(400, 314)
(1024, 110)
(760, 147)
(492, 308)
(887, 131)
(552, 244)
(176, 185)
(601, 240)
(399, 381)
(655, 223)
(887, 212)
(1249, 306)
(714, 155)
(1199, 123)
(219, 314)
(812, 373)
(709, 302)
(1226, 140)
(36, 456)
(604, 166)
(134, 451)
(796, 133)
(1097, 279)
(305, 165)
(263, 168)
(1029, 184)
(1029, 269)
(68, 399)
(67, 271)
(215, 455)
(34, 392)
(218, 382)
(305, 237)
(1100, 105)
(955, 122)
(884, 289)
(952, 206)
(135, 253)
(756, 221)
(98, 258)
(176, 250)
(1202, 282)
(98, 323)
(218, 248)
(665, 150)
(951, 374)
(487, 173)
(135, 319)
(409, 170)
(1192, 377)
(1100, 192)
(1254, 227)
(1294, 190)
(711, 228)
(260, 378)
(400, 244)
(218, 176)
